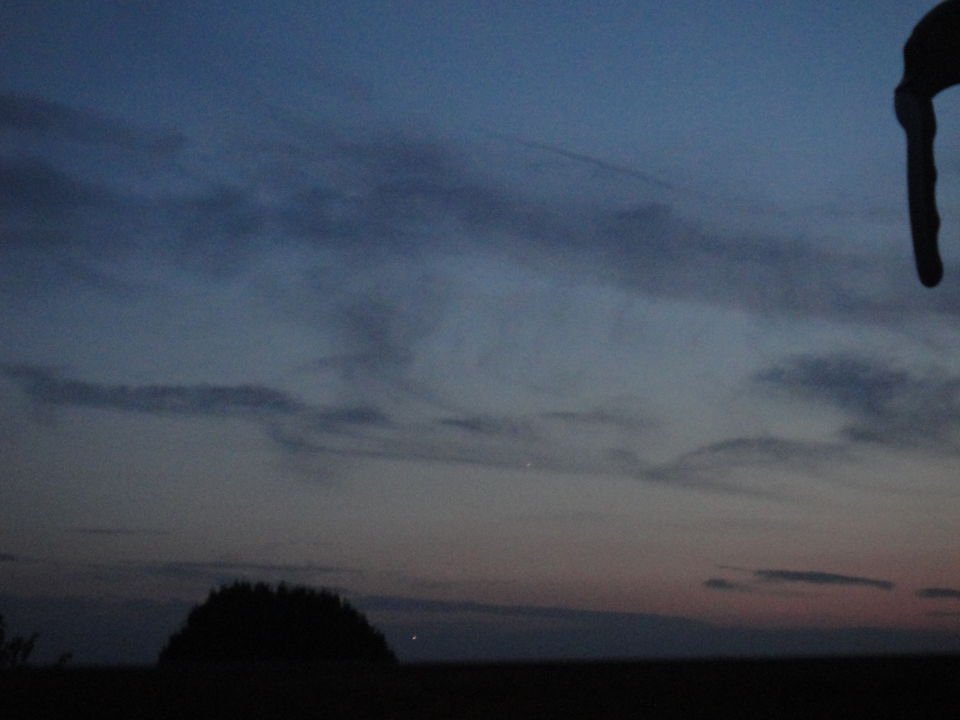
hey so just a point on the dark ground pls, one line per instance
(896, 687)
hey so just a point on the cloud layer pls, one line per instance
(935, 592)
(393, 194)
(765, 576)
(820, 578)
(886, 404)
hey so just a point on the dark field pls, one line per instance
(906, 687)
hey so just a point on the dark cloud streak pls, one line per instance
(601, 417)
(486, 426)
(819, 578)
(393, 196)
(232, 569)
(45, 387)
(34, 186)
(889, 405)
(117, 532)
(725, 585)
(935, 592)
(711, 465)
(853, 383)
(589, 159)
(365, 431)
(29, 114)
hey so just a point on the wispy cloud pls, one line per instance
(33, 115)
(819, 578)
(45, 386)
(939, 592)
(717, 464)
(291, 423)
(602, 417)
(486, 426)
(726, 585)
(854, 383)
(471, 631)
(591, 160)
(363, 208)
(889, 405)
(245, 569)
(395, 194)
(33, 188)
(363, 431)
(117, 532)
(359, 431)
(218, 230)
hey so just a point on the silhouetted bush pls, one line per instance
(16, 651)
(258, 623)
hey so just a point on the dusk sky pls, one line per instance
(537, 329)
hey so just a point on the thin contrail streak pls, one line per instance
(747, 202)
(613, 167)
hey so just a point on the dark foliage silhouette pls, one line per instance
(244, 622)
(16, 651)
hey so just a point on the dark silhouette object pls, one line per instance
(931, 63)
(244, 623)
(16, 651)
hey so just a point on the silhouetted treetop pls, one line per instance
(15, 651)
(244, 622)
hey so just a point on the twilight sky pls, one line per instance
(554, 329)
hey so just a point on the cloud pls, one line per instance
(939, 593)
(107, 631)
(293, 425)
(852, 383)
(415, 442)
(819, 578)
(400, 196)
(33, 188)
(388, 195)
(381, 332)
(496, 442)
(590, 160)
(722, 584)
(360, 431)
(377, 322)
(889, 405)
(33, 115)
(361, 208)
(189, 578)
(7, 557)
(487, 426)
(366, 431)
(227, 570)
(117, 532)
(465, 631)
(391, 196)
(711, 466)
(338, 420)
(220, 229)
(600, 417)
(457, 630)
(44, 386)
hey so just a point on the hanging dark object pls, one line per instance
(931, 63)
